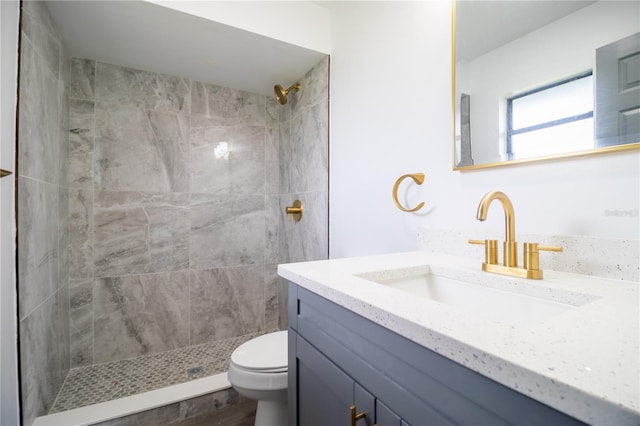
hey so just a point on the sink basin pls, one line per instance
(479, 299)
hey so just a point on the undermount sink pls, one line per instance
(489, 302)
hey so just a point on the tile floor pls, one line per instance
(104, 382)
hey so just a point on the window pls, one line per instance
(553, 119)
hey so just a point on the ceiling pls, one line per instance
(482, 26)
(151, 37)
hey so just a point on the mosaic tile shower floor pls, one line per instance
(104, 382)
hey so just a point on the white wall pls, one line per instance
(302, 23)
(391, 115)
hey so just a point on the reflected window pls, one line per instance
(552, 119)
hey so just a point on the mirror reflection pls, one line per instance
(535, 80)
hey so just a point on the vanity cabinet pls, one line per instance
(325, 394)
(338, 359)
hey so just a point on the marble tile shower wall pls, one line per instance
(171, 246)
(303, 174)
(43, 238)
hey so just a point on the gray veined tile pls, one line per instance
(314, 88)
(64, 73)
(140, 233)
(40, 13)
(80, 233)
(308, 168)
(83, 79)
(38, 125)
(45, 354)
(285, 157)
(140, 314)
(272, 144)
(81, 143)
(308, 239)
(64, 244)
(118, 86)
(283, 304)
(81, 322)
(241, 173)
(272, 177)
(226, 302)
(272, 297)
(80, 293)
(46, 43)
(272, 162)
(272, 228)
(276, 113)
(63, 126)
(172, 144)
(137, 150)
(228, 106)
(38, 243)
(226, 231)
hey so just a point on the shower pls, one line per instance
(281, 94)
(144, 266)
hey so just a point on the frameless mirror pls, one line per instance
(535, 80)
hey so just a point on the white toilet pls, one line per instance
(258, 370)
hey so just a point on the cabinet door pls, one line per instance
(365, 403)
(386, 417)
(325, 393)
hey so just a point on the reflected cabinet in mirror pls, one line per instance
(535, 80)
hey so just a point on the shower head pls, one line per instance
(281, 93)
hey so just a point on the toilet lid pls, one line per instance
(266, 352)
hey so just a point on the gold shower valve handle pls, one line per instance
(419, 179)
(295, 210)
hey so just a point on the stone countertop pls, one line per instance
(584, 362)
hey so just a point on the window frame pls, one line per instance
(513, 132)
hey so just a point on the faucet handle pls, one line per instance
(531, 255)
(490, 250)
(550, 248)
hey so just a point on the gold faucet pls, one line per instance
(510, 245)
(509, 265)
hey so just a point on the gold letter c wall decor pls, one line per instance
(419, 179)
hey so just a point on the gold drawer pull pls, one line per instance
(355, 417)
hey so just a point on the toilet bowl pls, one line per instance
(258, 370)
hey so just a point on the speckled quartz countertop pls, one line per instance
(584, 362)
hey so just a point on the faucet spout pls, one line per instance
(510, 245)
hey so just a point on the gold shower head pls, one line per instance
(281, 94)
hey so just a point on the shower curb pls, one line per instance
(110, 410)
